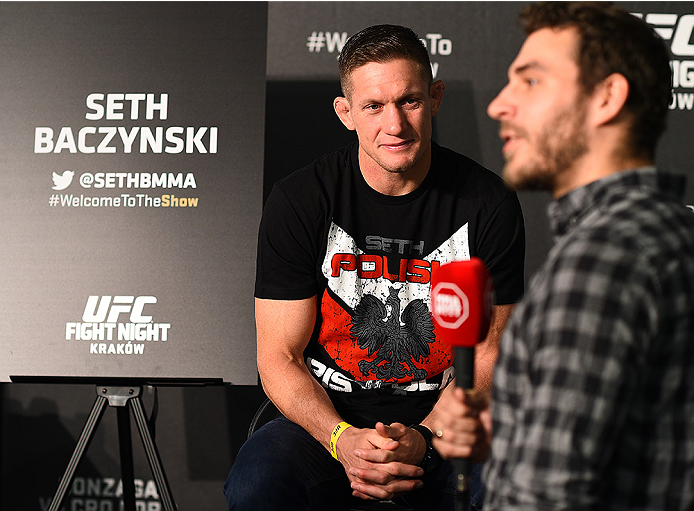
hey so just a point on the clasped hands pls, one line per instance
(381, 463)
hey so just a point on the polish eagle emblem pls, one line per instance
(398, 341)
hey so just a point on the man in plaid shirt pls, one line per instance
(593, 393)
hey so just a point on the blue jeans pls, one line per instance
(282, 467)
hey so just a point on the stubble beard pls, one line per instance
(560, 144)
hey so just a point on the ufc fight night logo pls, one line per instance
(118, 325)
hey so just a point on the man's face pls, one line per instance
(390, 107)
(542, 112)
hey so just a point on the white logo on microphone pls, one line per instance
(450, 305)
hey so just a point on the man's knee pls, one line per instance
(264, 471)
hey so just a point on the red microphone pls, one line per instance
(462, 297)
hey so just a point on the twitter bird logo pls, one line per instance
(62, 182)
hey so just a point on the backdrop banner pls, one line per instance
(131, 163)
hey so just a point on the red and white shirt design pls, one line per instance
(380, 331)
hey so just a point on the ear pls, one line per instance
(436, 92)
(344, 112)
(609, 98)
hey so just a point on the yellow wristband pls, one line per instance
(339, 429)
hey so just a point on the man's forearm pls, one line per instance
(300, 398)
(487, 351)
(284, 329)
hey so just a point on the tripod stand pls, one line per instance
(124, 399)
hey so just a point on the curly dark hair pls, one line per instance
(614, 41)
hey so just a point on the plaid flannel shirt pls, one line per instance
(593, 401)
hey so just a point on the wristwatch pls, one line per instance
(431, 456)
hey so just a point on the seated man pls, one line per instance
(346, 345)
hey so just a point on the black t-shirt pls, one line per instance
(368, 258)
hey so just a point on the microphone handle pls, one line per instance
(465, 367)
(464, 377)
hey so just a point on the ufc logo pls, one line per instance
(678, 31)
(105, 310)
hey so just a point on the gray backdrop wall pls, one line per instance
(193, 51)
(125, 152)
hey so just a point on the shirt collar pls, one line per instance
(566, 211)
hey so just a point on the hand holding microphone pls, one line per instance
(462, 298)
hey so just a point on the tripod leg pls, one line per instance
(82, 444)
(152, 456)
(125, 444)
